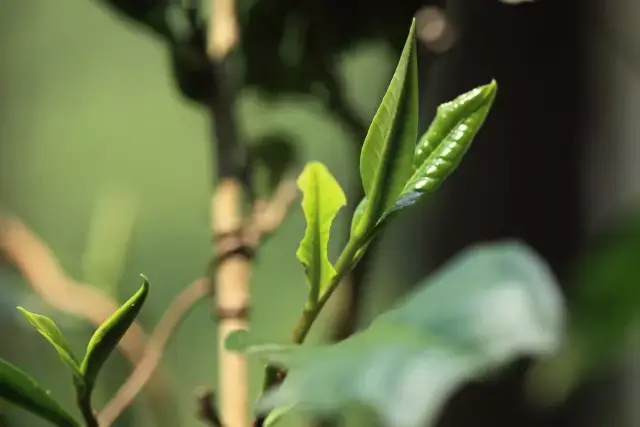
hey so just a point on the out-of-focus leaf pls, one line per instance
(192, 70)
(107, 336)
(244, 342)
(388, 149)
(607, 300)
(322, 199)
(275, 416)
(109, 234)
(20, 389)
(605, 310)
(271, 157)
(490, 305)
(49, 330)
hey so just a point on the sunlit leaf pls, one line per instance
(442, 147)
(388, 150)
(322, 199)
(20, 389)
(488, 306)
(107, 336)
(51, 333)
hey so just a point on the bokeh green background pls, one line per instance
(88, 107)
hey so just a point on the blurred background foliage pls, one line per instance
(105, 160)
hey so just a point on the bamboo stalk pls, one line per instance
(233, 274)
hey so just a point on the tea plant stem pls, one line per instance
(345, 263)
(84, 403)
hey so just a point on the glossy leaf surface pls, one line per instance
(107, 336)
(49, 330)
(488, 306)
(445, 143)
(388, 150)
(322, 199)
(20, 389)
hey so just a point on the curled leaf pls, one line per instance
(107, 336)
(322, 199)
(48, 329)
(20, 389)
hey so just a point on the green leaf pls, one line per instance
(51, 333)
(322, 199)
(242, 341)
(356, 221)
(275, 416)
(488, 306)
(445, 143)
(20, 389)
(387, 154)
(356, 229)
(604, 311)
(107, 336)
(452, 120)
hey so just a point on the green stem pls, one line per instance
(346, 262)
(83, 398)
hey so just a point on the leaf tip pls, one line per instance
(145, 284)
(26, 313)
(490, 90)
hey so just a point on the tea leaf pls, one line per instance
(107, 336)
(387, 154)
(51, 333)
(321, 201)
(445, 143)
(20, 389)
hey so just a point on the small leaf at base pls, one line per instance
(20, 389)
(48, 329)
(322, 199)
(107, 336)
